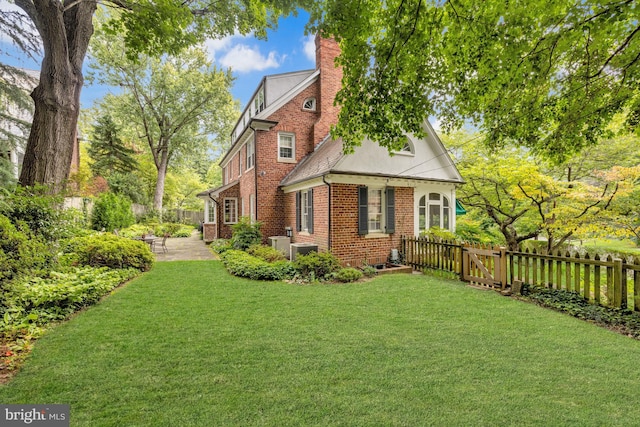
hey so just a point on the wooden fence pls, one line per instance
(605, 280)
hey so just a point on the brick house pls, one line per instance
(286, 172)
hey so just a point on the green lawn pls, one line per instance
(188, 345)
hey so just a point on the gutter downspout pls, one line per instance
(330, 213)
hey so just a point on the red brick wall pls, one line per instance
(209, 232)
(225, 229)
(270, 172)
(320, 235)
(330, 83)
(354, 249)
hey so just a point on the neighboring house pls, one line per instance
(285, 171)
(11, 114)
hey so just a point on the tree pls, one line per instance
(179, 105)
(108, 151)
(513, 189)
(548, 75)
(63, 29)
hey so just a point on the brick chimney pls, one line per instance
(330, 83)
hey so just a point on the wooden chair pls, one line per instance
(162, 241)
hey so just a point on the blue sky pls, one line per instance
(286, 49)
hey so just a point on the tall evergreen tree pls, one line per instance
(108, 151)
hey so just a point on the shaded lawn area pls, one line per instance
(188, 345)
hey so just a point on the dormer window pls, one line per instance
(258, 101)
(309, 104)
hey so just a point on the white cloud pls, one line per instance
(244, 59)
(235, 52)
(309, 47)
(218, 45)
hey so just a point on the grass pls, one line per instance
(186, 344)
(611, 246)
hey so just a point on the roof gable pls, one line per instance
(429, 161)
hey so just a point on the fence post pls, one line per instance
(465, 263)
(617, 282)
(503, 268)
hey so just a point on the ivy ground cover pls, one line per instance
(187, 344)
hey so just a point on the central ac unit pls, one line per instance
(280, 243)
(302, 249)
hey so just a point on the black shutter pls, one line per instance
(310, 211)
(391, 209)
(298, 221)
(363, 210)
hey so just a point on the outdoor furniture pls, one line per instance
(162, 241)
(148, 239)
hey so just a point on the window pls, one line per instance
(407, 148)
(230, 211)
(433, 211)
(286, 146)
(258, 101)
(304, 211)
(445, 213)
(239, 163)
(252, 207)
(251, 154)
(376, 210)
(309, 104)
(210, 213)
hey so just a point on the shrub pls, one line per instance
(316, 265)
(109, 250)
(111, 211)
(41, 300)
(41, 212)
(240, 263)
(175, 230)
(220, 245)
(157, 229)
(369, 271)
(266, 253)
(22, 252)
(470, 228)
(245, 233)
(347, 275)
(439, 233)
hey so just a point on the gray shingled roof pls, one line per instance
(217, 190)
(320, 162)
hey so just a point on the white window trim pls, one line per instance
(313, 104)
(210, 206)
(410, 153)
(377, 232)
(251, 158)
(293, 148)
(304, 212)
(235, 213)
(428, 204)
(252, 207)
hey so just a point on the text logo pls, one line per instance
(34, 415)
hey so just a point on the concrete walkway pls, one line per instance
(185, 249)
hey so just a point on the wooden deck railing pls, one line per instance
(604, 280)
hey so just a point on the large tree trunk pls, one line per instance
(65, 37)
(162, 164)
